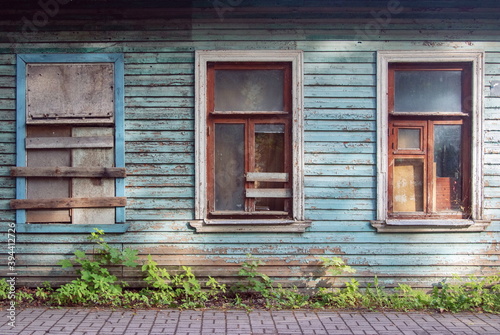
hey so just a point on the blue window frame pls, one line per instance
(23, 60)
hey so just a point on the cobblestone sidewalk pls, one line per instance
(38, 321)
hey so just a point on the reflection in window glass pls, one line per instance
(447, 158)
(269, 157)
(408, 189)
(428, 91)
(229, 167)
(409, 138)
(249, 90)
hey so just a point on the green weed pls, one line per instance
(183, 290)
(96, 284)
(4, 289)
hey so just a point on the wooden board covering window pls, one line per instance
(61, 93)
(79, 187)
(43, 188)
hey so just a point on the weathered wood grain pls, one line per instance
(95, 202)
(268, 193)
(69, 142)
(59, 172)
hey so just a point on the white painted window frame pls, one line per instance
(477, 221)
(201, 223)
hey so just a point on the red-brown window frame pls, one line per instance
(426, 121)
(249, 119)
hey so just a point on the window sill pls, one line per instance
(249, 226)
(429, 226)
(42, 228)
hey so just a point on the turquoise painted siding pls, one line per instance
(340, 135)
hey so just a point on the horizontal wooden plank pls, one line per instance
(340, 125)
(159, 135)
(339, 204)
(428, 253)
(161, 192)
(69, 142)
(143, 204)
(156, 181)
(156, 102)
(159, 91)
(100, 202)
(268, 193)
(145, 169)
(157, 80)
(163, 125)
(286, 271)
(351, 147)
(70, 172)
(340, 114)
(159, 158)
(159, 113)
(340, 136)
(363, 240)
(338, 159)
(159, 214)
(320, 102)
(267, 176)
(333, 46)
(339, 68)
(160, 146)
(173, 259)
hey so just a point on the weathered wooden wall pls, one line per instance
(340, 44)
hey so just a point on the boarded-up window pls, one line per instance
(71, 156)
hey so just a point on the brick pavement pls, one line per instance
(78, 321)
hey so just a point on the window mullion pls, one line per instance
(249, 161)
(431, 173)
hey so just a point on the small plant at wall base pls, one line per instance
(4, 289)
(96, 283)
(342, 298)
(467, 294)
(183, 290)
(259, 286)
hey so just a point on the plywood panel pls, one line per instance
(43, 188)
(66, 91)
(93, 187)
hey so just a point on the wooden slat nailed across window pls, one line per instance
(100, 202)
(268, 193)
(61, 171)
(69, 142)
(267, 177)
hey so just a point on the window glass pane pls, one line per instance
(427, 91)
(409, 138)
(269, 157)
(229, 167)
(408, 189)
(249, 90)
(447, 165)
